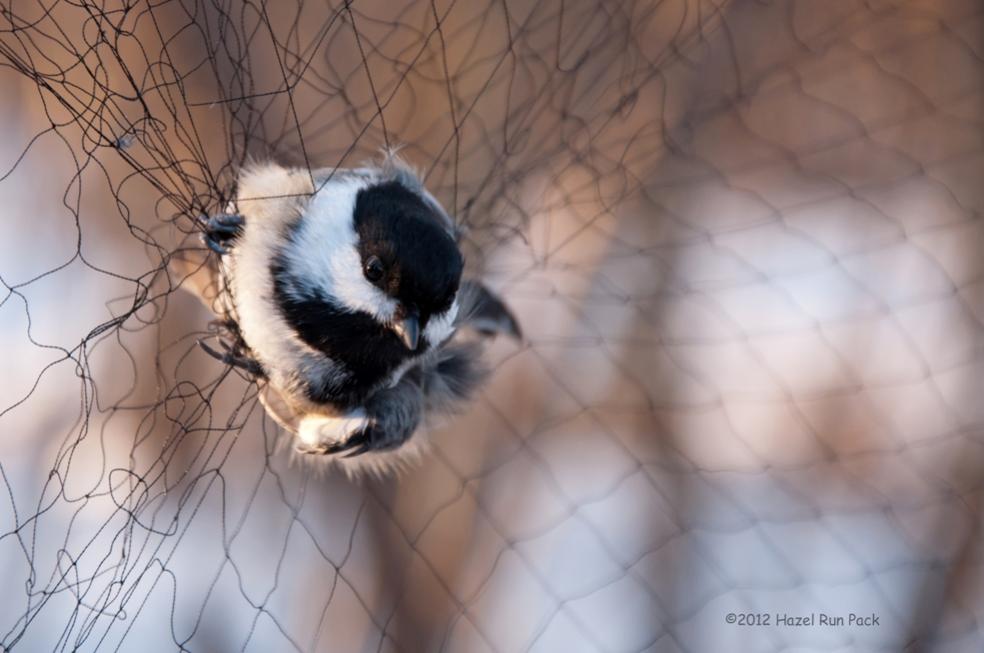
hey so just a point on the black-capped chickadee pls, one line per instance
(342, 290)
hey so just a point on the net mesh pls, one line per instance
(744, 241)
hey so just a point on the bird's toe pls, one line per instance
(218, 231)
(345, 436)
(330, 434)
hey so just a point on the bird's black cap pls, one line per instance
(421, 261)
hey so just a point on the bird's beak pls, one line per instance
(409, 331)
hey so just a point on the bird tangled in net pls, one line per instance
(341, 291)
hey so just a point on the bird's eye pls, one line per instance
(374, 269)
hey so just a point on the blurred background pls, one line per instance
(744, 240)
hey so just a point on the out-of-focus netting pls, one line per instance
(745, 243)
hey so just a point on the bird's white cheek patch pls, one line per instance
(325, 256)
(319, 430)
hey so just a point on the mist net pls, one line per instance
(744, 242)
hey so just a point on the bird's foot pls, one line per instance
(231, 355)
(345, 436)
(218, 231)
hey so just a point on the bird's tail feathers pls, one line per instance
(482, 310)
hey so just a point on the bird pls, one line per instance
(342, 291)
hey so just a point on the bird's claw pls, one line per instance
(231, 357)
(368, 438)
(356, 445)
(220, 230)
(357, 440)
(316, 450)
